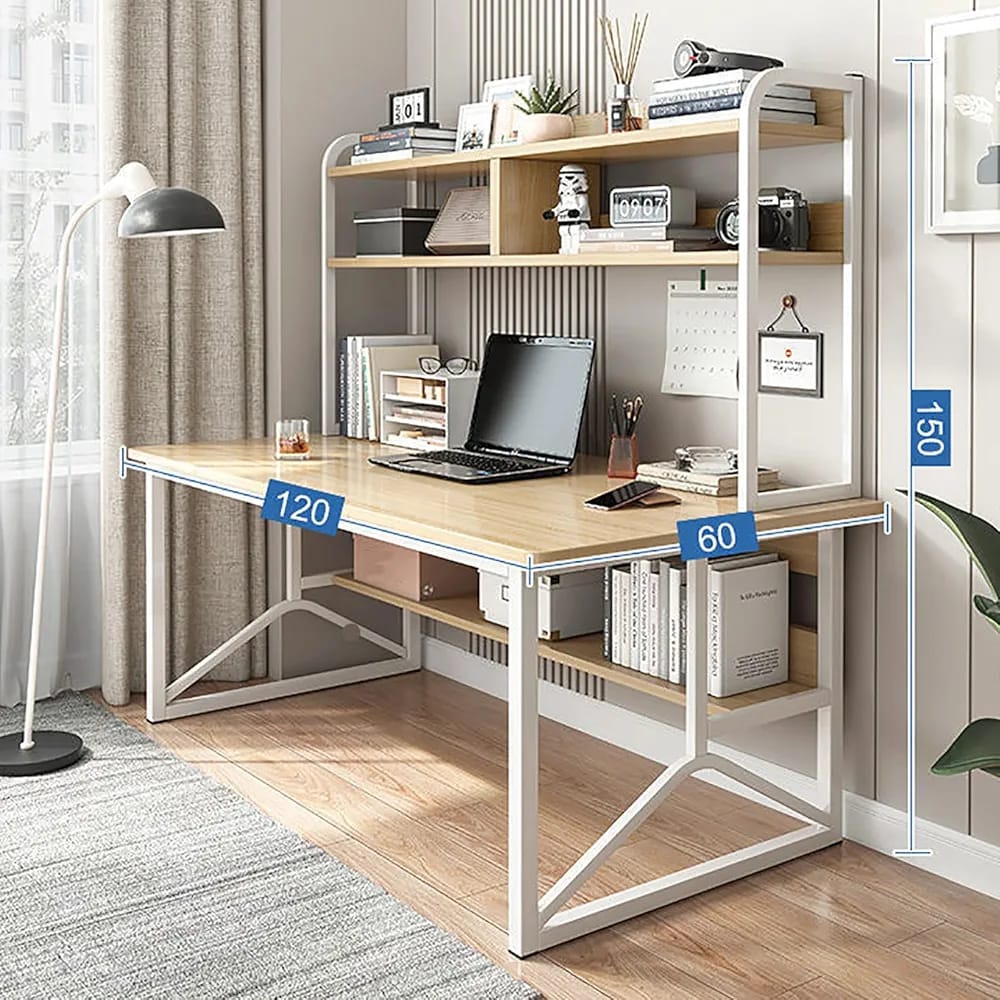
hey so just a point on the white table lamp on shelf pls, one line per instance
(152, 211)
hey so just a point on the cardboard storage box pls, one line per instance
(410, 574)
(568, 603)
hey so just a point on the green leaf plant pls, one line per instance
(550, 101)
(977, 747)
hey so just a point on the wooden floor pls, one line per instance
(403, 779)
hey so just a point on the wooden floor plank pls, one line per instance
(426, 851)
(819, 989)
(946, 900)
(967, 956)
(627, 970)
(833, 897)
(829, 950)
(737, 964)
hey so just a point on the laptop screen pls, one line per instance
(531, 394)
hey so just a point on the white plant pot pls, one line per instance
(540, 128)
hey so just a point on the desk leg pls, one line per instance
(830, 675)
(522, 763)
(156, 599)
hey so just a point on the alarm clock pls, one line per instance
(652, 205)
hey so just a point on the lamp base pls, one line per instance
(52, 752)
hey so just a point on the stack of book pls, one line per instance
(360, 363)
(723, 92)
(404, 143)
(645, 621)
(712, 484)
(639, 239)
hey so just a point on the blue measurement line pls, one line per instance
(911, 665)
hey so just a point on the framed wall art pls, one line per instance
(963, 129)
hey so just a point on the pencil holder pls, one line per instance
(623, 457)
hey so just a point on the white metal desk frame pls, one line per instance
(535, 924)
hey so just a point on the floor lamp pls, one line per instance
(152, 211)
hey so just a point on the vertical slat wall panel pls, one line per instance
(509, 38)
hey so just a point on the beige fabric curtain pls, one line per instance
(182, 338)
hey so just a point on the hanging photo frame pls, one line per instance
(790, 362)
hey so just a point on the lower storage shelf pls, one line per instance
(586, 652)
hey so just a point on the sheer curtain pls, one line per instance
(48, 166)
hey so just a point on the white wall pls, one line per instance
(327, 70)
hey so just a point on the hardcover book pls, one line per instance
(747, 626)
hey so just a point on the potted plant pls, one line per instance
(546, 113)
(977, 747)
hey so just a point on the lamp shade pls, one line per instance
(169, 211)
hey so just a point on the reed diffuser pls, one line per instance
(624, 110)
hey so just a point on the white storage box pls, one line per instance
(568, 603)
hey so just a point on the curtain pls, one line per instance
(48, 166)
(182, 323)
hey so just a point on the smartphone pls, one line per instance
(621, 496)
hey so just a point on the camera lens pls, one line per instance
(770, 226)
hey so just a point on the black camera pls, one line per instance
(784, 220)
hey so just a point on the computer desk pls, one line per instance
(522, 529)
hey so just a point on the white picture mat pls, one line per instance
(940, 219)
(790, 363)
(702, 345)
(506, 118)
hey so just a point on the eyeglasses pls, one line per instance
(453, 366)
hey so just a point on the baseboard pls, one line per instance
(957, 856)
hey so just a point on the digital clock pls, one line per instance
(652, 205)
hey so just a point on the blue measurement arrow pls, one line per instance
(911, 849)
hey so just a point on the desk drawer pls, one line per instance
(410, 574)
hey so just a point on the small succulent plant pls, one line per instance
(550, 101)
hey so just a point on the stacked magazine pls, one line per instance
(723, 93)
(721, 484)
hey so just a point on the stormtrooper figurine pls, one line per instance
(572, 213)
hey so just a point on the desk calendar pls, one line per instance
(702, 352)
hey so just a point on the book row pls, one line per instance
(646, 620)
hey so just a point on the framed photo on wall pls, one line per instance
(506, 118)
(963, 129)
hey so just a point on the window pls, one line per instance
(68, 138)
(12, 215)
(73, 73)
(11, 131)
(12, 55)
(77, 11)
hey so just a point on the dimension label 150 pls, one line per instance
(930, 427)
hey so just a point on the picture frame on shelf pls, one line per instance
(475, 125)
(506, 118)
(790, 363)
(410, 107)
(963, 128)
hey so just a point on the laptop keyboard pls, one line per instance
(489, 463)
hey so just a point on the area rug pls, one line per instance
(133, 875)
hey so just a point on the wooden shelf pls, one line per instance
(693, 258)
(586, 652)
(696, 136)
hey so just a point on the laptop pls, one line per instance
(526, 417)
